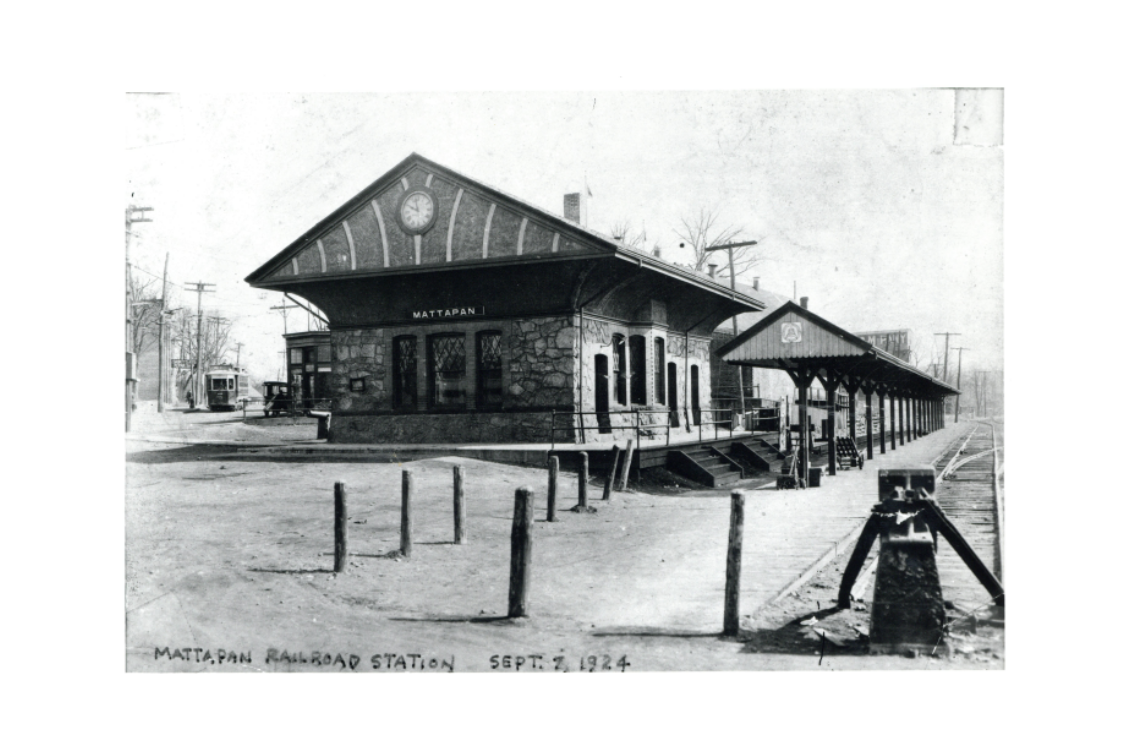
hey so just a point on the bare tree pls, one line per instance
(145, 313)
(622, 231)
(215, 335)
(703, 230)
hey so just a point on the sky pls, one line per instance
(859, 198)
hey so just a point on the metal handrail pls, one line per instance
(635, 423)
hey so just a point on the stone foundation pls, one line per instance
(465, 427)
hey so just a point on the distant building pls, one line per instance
(896, 342)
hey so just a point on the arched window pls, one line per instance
(619, 368)
(660, 371)
(637, 353)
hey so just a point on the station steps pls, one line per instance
(705, 465)
(758, 453)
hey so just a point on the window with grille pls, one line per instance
(619, 371)
(296, 356)
(404, 372)
(637, 353)
(660, 371)
(490, 368)
(447, 370)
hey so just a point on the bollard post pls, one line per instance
(340, 551)
(627, 466)
(521, 548)
(734, 563)
(551, 496)
(406, 513)
(583, 481)
(460, 510)
(611, 473)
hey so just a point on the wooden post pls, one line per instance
(551, 495)
(612, 472)
(734, 563)
(521, 549)
(902, 420)
(406, 513)
(340, 548)
(583, 481)
(460, 508)
(894, 434)
(870, 427)
(882, 422)
(627, 465)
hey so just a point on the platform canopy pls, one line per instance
(799, 341)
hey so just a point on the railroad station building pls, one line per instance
(458, 313)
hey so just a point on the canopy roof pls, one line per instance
(792, 338)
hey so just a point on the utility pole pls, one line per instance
(200, 288)
(946, 363)
(134, 215)
(284, 307)
(957, 406)
(238, 351)
(733, 286)
(161, 369)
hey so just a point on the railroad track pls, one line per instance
(969, 491)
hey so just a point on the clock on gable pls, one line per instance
(417, 212)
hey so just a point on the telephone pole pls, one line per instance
(161, 369)
(283, 308)
(134, 215)
(957, 405)
(200, 287)
(733, 282)
(946, 363)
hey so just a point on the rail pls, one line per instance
(633, 423)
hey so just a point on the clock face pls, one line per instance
(417, 211)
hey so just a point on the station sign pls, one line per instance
(472, 311)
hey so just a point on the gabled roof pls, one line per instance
(476, 225)
(821, 344)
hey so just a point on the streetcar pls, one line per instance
(227, 388)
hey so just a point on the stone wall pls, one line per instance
(360, 354)
(543, 363)
(422, 428)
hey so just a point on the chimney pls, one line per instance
(756, 283)
(804, 302)
(575, 208)
(658, 253)
(711, 268)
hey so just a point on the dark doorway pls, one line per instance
(602, 419)
(673, 393)
(696, 410)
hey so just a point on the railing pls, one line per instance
(764, 414)
(632, 422)
(715, 417)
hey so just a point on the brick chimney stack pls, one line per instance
(804, 302)
(756, 283)
(575, 209)
(711, 269)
